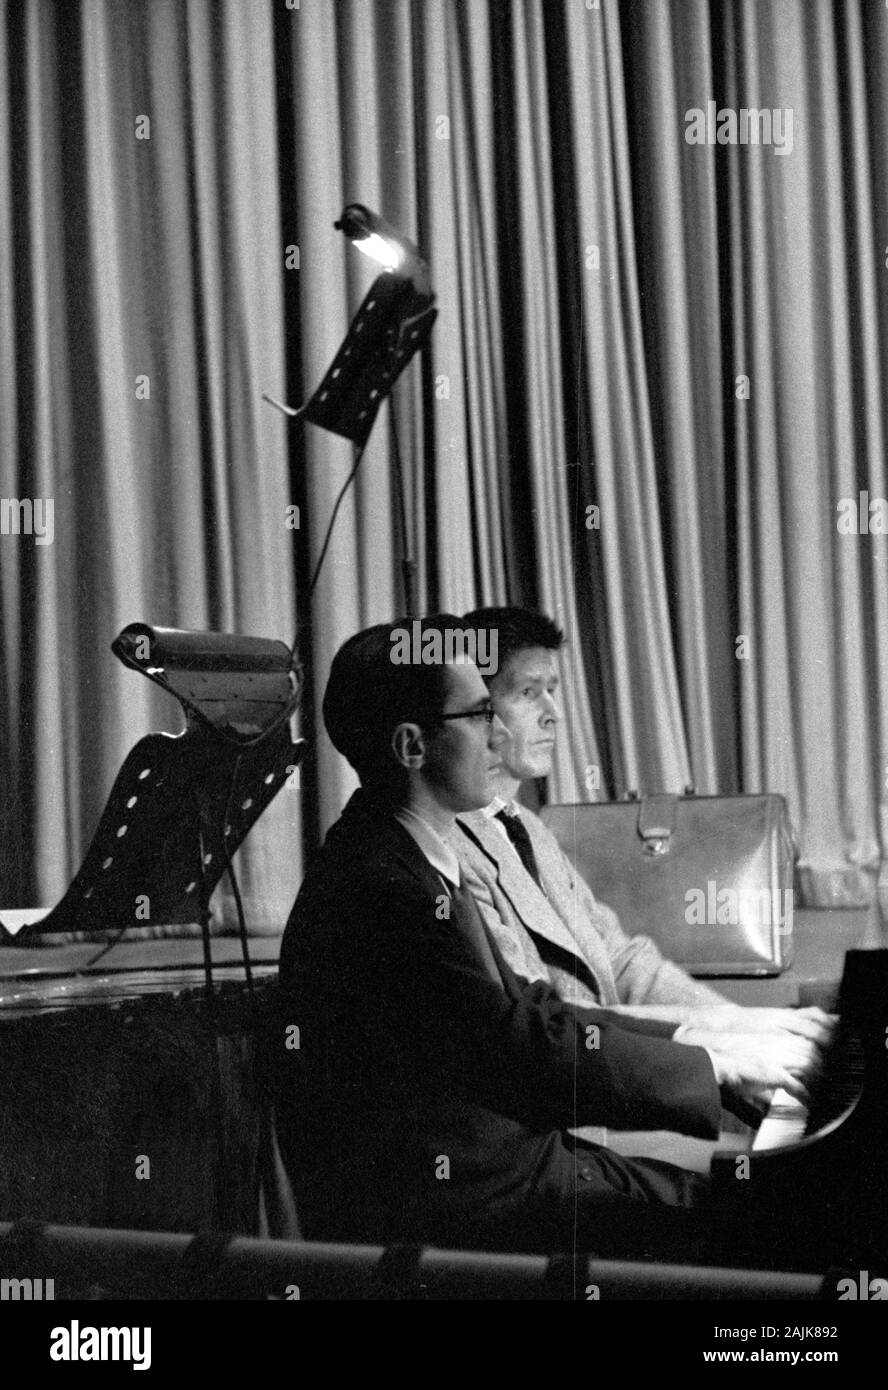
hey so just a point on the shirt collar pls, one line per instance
(497, 805)
(436, 849)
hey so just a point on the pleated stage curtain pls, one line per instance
(140, 320)
(655, 376)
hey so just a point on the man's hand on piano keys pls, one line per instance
(756, 1064)
(810, 1023)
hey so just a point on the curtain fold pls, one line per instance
(144, 275)
(654, 388)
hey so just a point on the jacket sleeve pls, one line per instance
(641, 973)
(522, 1051)
(523, 958)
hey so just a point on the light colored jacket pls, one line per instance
(563, 934)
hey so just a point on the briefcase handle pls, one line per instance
(656, 822)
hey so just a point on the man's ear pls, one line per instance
(408, 745)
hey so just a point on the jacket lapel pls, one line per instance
(529, 905)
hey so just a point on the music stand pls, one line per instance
(182, 805)
(393, 322)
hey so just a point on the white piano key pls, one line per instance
(784, 1123)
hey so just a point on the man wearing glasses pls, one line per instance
(436, 1088)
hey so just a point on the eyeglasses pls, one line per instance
(488, 714)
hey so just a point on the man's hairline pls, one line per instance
(503, 672)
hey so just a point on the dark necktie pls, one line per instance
(517, 833)
(473, 926)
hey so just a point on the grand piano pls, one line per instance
(130, 1087)
(811, 1193)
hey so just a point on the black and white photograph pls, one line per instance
(444, 667)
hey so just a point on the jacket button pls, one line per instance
(587, 1173)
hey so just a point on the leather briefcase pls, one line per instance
(709, 878)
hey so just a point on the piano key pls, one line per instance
(784, 1123)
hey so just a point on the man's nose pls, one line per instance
(551, 709)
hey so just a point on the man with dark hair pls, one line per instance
(545, 918)
(435, 1087)
(517, 630)
(389, 691)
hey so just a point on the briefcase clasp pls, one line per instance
(654, 847)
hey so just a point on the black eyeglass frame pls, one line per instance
(488, 714)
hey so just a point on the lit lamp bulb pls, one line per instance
(383, 244)
(380, 250)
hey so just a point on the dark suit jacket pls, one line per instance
(427, 1101)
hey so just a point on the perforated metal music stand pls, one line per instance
(182, 805)
(392, 324)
